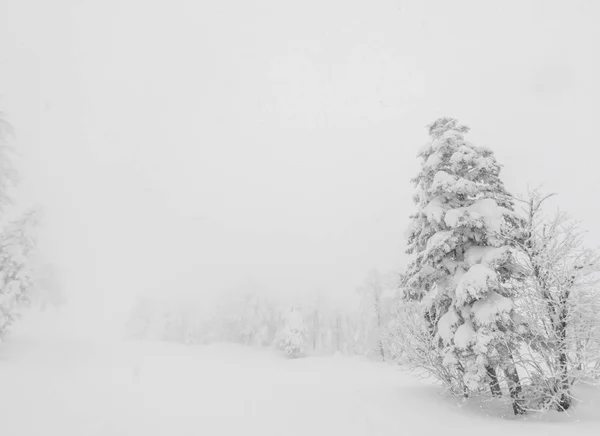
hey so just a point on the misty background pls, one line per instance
(184, 147)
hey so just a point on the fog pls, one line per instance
(183, 148)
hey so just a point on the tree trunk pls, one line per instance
(430, 318)
(315, 329)
(564, 401)
(514, 388)
(338, 328)
(465, 389)
(494, 383)
(379, 328)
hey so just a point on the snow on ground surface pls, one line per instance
(54, 384)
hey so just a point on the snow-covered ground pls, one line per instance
(52, 383)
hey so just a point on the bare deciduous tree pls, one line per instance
(558, 288)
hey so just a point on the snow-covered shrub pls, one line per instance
(540, 392)
(413, 345)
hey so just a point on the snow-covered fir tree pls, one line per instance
(461, 260)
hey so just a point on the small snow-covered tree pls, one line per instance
(373, 289)
(291, 339)
(314, 320)
(461, 261)
(377, 292)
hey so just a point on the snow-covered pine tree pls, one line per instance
(460, 261)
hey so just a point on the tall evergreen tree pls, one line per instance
(461, 260)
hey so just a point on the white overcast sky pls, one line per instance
(189, 145)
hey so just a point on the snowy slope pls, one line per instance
(56, 384)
